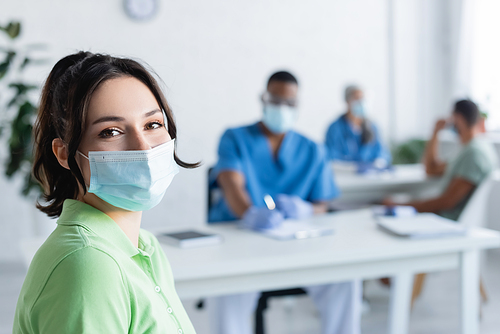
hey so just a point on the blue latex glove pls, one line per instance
(294, 207)
(261, 218)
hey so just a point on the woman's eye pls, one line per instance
(154, 125)
(108, 133)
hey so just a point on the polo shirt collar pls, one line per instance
(78, 213)
(145, 245)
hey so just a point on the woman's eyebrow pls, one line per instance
(121, 119)
(152, 112)
(109, 119)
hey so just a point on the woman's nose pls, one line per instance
(138, 142)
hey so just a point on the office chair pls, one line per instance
(214, 195)
(262, 305)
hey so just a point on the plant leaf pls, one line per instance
(409, 152)
(22, 88)
(25, 62)
(14, 101)
(42, 61)
(13, 29)
(36, 46)
(4, 67)
(20, 139)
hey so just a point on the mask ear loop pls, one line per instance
(83, 155)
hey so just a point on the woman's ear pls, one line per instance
(61, 152)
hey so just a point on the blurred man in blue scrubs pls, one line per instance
(269, 158)
(352, 137)
(460, 177)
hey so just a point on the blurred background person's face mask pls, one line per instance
(358, 108)
(280, 114)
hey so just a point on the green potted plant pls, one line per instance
(17, 109)
(409, 152)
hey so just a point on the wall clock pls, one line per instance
(141, 9)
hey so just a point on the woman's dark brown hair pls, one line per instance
(63, 109)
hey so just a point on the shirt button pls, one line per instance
(157, 288)
(179, 331)
(169, 310)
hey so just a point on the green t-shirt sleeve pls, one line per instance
(84, 294)
(473, 167)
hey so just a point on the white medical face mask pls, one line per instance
(279, 118)
(132, 180)
(358, 108)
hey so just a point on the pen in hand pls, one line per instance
(263, 218)
(269, 202)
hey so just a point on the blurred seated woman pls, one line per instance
(352, 137)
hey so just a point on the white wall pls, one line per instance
(215, 57)
(422, 66)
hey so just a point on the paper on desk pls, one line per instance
(293, 229)
(400, 211)
(423, 225)
(344, 167)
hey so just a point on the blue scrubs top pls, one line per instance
(344, 143)
(300, 168)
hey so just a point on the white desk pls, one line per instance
(410, 179)
(247, 261)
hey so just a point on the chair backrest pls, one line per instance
(475, 211)
(214, 193)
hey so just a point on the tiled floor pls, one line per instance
(437, 311)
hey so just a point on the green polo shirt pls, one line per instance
(475, 161)
(89, 278)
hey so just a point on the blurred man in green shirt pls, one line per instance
(475, 161)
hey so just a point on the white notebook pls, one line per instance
(292, 229)
(423, 225)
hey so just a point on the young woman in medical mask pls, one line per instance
(104, 152)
